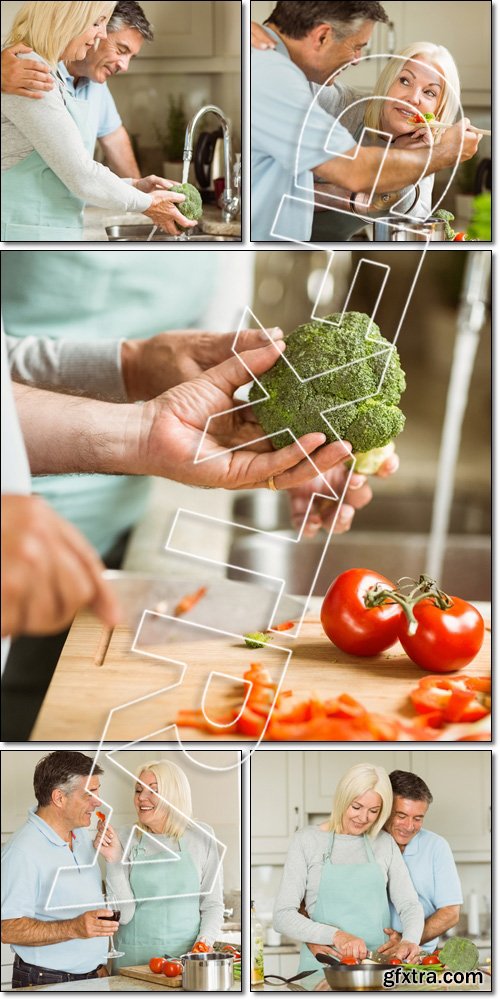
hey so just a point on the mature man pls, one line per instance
(293, 139)
(428, 858)
(86, 80)
(56, 931)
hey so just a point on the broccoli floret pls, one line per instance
(192, 207)
(459, 955)
(447, 218)
(255, 640)
(352, 374)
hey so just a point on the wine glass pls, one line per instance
(111, 903)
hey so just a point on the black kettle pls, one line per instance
(205, 159)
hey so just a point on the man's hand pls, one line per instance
(388, 948)
(173, 425)
(348, 944)
(49, 571)
(152, 183)
(24, 77)
(108, 845)
(260, 37)
(323, 511)
(150, 367)
(165, 214)
(88, 925)
(451, 142)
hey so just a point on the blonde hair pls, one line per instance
(360, 779)
(49, 27)
(174, 789)
(442, 59)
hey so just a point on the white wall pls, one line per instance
(216, 795)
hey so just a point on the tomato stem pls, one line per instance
(425, 589)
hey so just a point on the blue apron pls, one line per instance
(352, 897)
(162, 926)
(36, 205)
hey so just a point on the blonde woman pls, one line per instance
(344, 872)
(48, 170)
(167, 904)
(422, 78)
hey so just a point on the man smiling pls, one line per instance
(127, 31)
(52, 919)
(428, 858)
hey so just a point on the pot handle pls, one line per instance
(276, 980)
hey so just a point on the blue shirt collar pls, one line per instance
(413, 846)
(70, 80)
(44, 828)
(280, 47)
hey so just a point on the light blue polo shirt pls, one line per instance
(434, 875)
(281, 97)
(30, 860)
(103, 114)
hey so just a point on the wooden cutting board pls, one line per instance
(144, 972)
(82, 694)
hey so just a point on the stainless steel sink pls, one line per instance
(140, 234)
(390, 535)
(467, 564)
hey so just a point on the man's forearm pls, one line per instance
(440, 922)
(119, 153)
(37, 933)
(70, 434)
(401, 168)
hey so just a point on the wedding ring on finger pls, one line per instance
(271, 485)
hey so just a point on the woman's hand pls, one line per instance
(323, 949)
(152, 183)
(348, 944)
(198, 434)
(406, 951)
(109, 845)
(389, 946)
(415, 140)
(323, 511)
(260, 37)
(165, 214)
(24, 77)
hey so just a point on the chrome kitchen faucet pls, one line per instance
(230, 202)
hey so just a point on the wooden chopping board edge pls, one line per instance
(144, 972)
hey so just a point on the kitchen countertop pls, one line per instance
(96, 220)
(316, 983)
(114, 984)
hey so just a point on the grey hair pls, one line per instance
(343, 29)
(129, 14)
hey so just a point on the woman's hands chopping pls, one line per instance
(348, 944)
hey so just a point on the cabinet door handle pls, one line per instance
(297, 818)
(391, 37)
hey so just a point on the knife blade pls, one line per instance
(228, 605)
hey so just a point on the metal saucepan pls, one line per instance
(365, 976)
(391, 230)
(207, 971)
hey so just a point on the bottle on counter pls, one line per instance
(257, 943)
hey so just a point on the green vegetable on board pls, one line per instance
(352, 372)
(459, 955)
(255, 640)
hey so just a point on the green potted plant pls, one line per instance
(172, 139)
(464, 196)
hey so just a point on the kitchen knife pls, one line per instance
(227, 605)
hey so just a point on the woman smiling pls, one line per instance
(48, 170)
(169, 884)
(344, 872)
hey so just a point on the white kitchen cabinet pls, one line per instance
(459, 776)
(181, 29)
(323, 770)
(277, 797)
